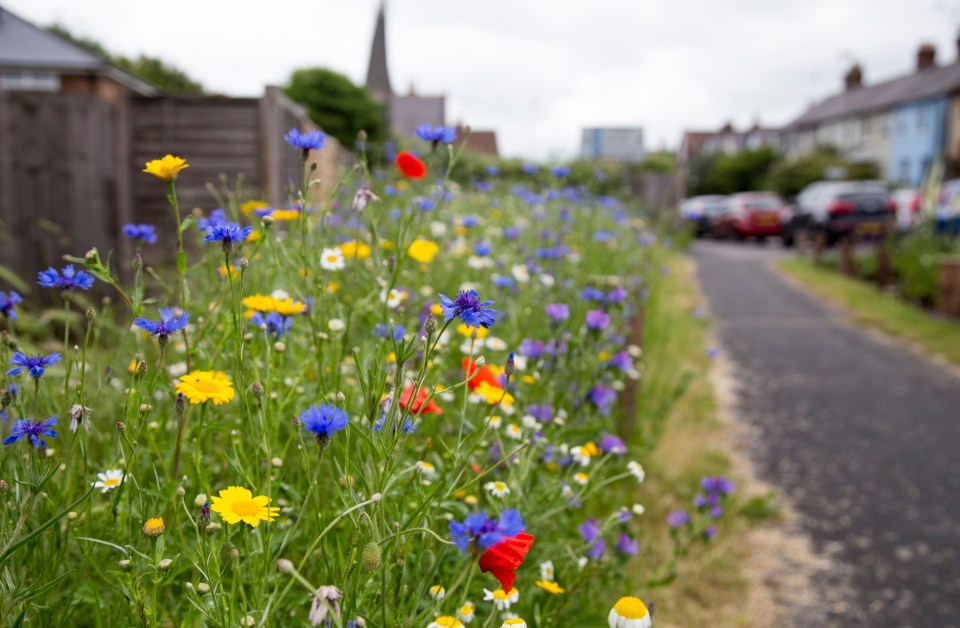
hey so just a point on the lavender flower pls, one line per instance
(597, 320)
(557, 312)
(626, 545)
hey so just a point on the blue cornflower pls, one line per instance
(66, 279)
(425, 204)
(492, 171)
(324, 421)
(226, 233)
(468, 307)
(382, 330)
(169, 323)
(486, 532)
(504, 281)
(311, 140)
(482, 249)
(718, 485)
(678, 518)
(25, 428)
(602, 397)
(529, 168)
(436, 135)
(409, 427)
(273, 322)
(7, 302)
(560, 171)
(33, 363)
(216, 216)
(143, 232)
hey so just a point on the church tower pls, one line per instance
(378, 76)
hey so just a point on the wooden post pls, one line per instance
(848, 264)
(884, 264)
(819, 244)
(948, 287)
(801, 242)
(271, 178)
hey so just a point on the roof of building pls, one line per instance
(409, 111)
(484, 142)
(26, 46)
(928, 83)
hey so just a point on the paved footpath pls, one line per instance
(861, 435)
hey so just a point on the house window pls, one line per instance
(922, 119)
(902, 122)
(26, 80)
(904, 170)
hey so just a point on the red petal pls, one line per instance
(505, 557)
(410, 166)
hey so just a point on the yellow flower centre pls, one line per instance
(446, 620)
(245, 508)
(499, 486)
(630, 608)
(332, 258)
(111, 481)
(499, 594)
(514, 622)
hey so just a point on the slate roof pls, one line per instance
(26, 46)
(929, 83)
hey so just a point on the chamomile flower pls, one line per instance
(500, 598)
(629, 612)
(581, 478)
(394, 298)
(497, 489)
(494, 422)
(513, 431)
(427, 469)
(467, 612)
(445, 621)
(438, 592)
(638, 509)
(546, 570)
(514, 622)
(108, 480)
(636, 470)
(332, 259)
(582, 454)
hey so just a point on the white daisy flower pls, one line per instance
(580, 455)
(547, 281)
(336, 325)
(497, 489)
(513, 596)
(445, 621)
(437, 592)
(513, 622)
(494, 422)
(499, 598)
(546, 570)
(638, 509)
(582, 562)
(109, 480)
(520, 273)
(581, 478)
(426, 468)
(530, 422)
(394, 298)
(629, 612)
(637, 470)
(467, 612)
(513, 431)
(495, 344)
(438, 229)
(332, 259)
(280, 295)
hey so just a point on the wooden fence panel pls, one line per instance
(58, 178)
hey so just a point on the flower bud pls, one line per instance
(3, 486)
(371, 556)
(361, 135)
(141, 368)
(285, 566)
(257, 389)
(203, 587)
(124, 564)
(91, 313)
(181, 491)
(391, 263)
(243, 261)
(5, 398)
(481, 361)
(511, 366)
(137, 261)
(165, 564)
(153, 527)
(431, 324)
(229, 555)
(203, 519)
(72, 516)
(121, 428)
(180, 405)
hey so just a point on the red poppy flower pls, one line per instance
(410, 166)
(418, 407)
(503, 559)
(484, 375)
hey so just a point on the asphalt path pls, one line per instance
(861, 435)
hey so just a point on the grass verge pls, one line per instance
(873, 308)
(689, 443)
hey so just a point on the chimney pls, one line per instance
(854, 77)
(926, 57)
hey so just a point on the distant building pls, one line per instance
(481, 142)
(902, 125)
(34, 59)
(613, 144)
(406, 112)
(725, 141)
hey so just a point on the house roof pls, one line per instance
(26, 46)
(928, 83)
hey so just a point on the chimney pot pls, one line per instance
(926, 57)
(854, 77)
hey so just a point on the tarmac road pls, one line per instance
(861, 435)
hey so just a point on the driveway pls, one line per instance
(861, 435)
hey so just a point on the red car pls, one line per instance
(750, 215)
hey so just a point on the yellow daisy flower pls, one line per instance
(462, 329)
(285, 214)
(153, 527)
(355, 249)
(423, 251)
(236, 504)
(550, 587)
(166, 168)
(201, 386)
(492, 394)
(248, 207)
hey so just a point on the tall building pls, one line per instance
(404, 112)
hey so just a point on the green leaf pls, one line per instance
(187, 222)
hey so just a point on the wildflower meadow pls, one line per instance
(398, 405)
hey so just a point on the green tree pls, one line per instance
(336, 105)
(788, 178)
(165, 77)
(727, 174)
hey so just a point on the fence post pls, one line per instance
(948, 287)
(848, 265)
(884, 264)
(819, 244)
(272, 179)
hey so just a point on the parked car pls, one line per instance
(840, 208)
(698, 211)
(750, 215)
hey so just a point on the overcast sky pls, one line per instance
(538, 71)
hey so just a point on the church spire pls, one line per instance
(378, 77)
